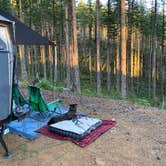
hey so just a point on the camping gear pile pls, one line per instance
(70, 125)
(38, 112)
(25, 116)
(85, 141)
(12, 33)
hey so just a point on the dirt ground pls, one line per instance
(138, 139)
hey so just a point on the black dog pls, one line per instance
(67, 116)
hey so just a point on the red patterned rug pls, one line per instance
(106, 125)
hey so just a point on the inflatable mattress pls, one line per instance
(76, 128)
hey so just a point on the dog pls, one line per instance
(67, 116)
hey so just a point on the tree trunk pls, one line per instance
(61, 53)
(90, 42)
(132, 60)
(55, 56)
(98, 46)
(35, 65)
(138, 59)
(108, 52)
(50, 52)
(130, 46)
(29, 61)
(43, 60)
(163, 65)
(75, 49)
(154, 48)
(67, 45)
(123, 50)
(43, 49)
(117, 64)
(21, 47)
(22, 60)
(150, 68)
(55, 65)
(84, 45)
(118, 57)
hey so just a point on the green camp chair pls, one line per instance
(18, 98)
(21, 109)
(38, 104)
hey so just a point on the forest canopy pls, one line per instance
(116, 50)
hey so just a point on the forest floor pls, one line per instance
(138, 139)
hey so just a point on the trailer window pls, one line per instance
(5, 42)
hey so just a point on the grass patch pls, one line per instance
(23, 84)
(48, 85)
(141, 101)
(91, 91)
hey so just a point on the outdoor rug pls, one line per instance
(88, 139)
(45, 117)
(28, 126)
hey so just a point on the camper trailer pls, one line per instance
(6, 67)
(12, 33)
(6, 73)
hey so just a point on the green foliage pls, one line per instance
(89, 92)
(82, 13)
(45, 84)
(116, 96)
(49, 15)
(142, 101)
(23, 84)
(6, 5)
(49, 85)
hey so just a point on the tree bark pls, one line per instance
(98, 46)
(84, 45)
(108, 52)
(90, 41)
(21, 47)
(29, 61)
(67, 44)
(118, 64)
(55, 65)
(154, 48)
(75, 49)
(130, 46)
(123, 50)
(163, 61)
(132, 59)
(118, 57)
(150, 68)
(50, 52)
(43, 60)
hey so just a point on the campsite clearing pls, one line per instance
(138, 139)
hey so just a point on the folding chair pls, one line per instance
(38, 103)
(18, 97)
(21, 105)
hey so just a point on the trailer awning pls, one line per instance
(23, 34)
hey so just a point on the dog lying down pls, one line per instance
(67, 116)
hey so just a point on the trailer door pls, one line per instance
(6, 72)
